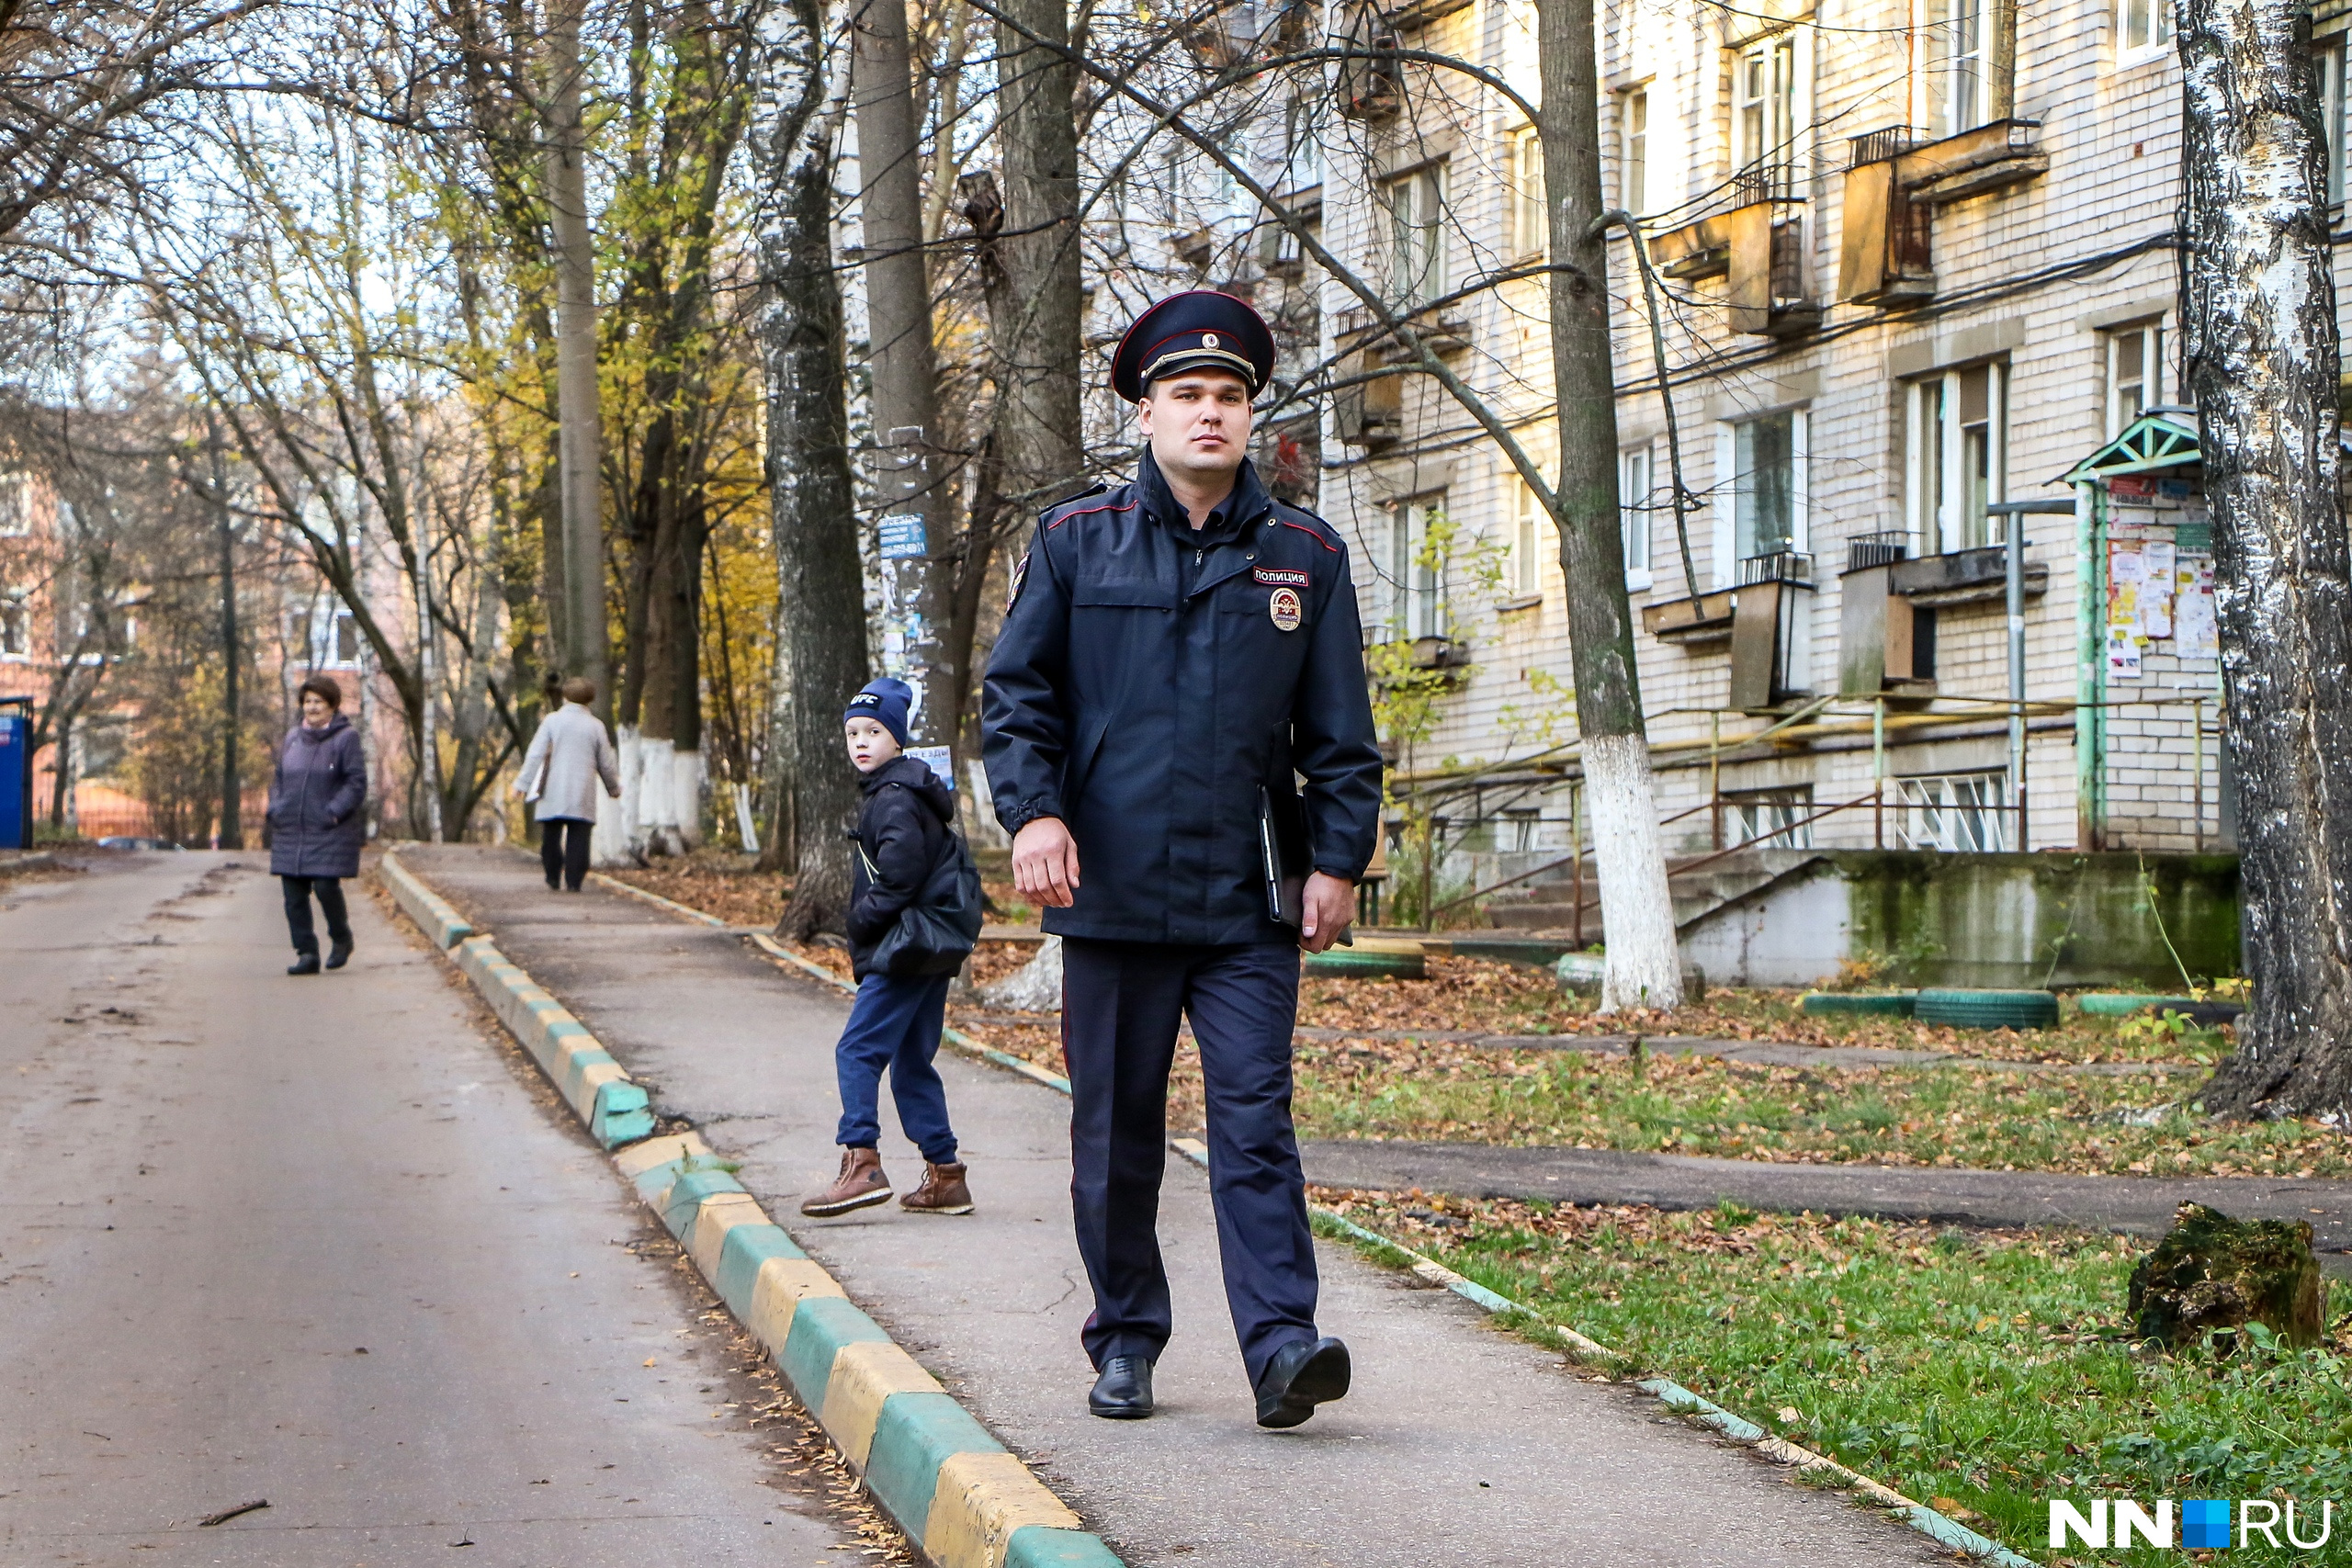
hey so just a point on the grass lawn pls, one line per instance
(1994, 1119)
(1985, 1373)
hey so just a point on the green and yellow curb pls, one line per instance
(959, 1495)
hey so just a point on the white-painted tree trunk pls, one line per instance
(1036, 987)
(686, 797)
(629, 742)
(1629, 861)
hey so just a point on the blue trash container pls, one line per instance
(16, 780)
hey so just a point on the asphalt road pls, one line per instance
(319, 1242)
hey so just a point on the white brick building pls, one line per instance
(1916, 263)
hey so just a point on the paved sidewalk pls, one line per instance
(2135, 1204)
(1460, 1446)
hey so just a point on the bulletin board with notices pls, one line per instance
(2159, 575)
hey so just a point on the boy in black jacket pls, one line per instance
(895, 1023)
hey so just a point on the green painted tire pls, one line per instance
(2123, 1004)
(1883, 1004)
(1988, 1009)
(1367, 965)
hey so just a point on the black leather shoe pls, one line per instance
(1123, 1392)
(339, 955)
(304, 963)
(1302, 1375)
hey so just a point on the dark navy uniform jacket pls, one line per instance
(1143, 689)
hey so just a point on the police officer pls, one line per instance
(1179, 650)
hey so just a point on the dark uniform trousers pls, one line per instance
(1121, 1005)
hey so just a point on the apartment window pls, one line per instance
(1416, 235)
(1770, 819)
(330, 637)
(1951, 50)
(2330, 69)
(1527, 545)
(1955, 439)
(1636, 498)
(1303, 147)
(1530, 232)
(1415, 569)
(1633, 151)
(1768, 501)
(16, 505)
(2135, 373)
(2145, 26)
(16, 625)
(1764, 106)
(1957, 813)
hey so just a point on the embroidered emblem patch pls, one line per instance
(1283, 605)
(1281, 575)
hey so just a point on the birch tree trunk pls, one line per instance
(2260, 339)
(820, 642)
(1636, 909)
(912, 469)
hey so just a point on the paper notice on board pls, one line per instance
(2156, 591)
(2196, 633)
(2122, 654)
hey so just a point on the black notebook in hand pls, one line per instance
(1287, 849)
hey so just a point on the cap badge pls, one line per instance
(1283, 605)
(1208, 339)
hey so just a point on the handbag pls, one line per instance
(936, 933)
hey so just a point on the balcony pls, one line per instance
(1700, 249)
(1767, 292)
(1989, 158)
(1446, 331)
(1962, 577)
(1688, 622)
(1895, 181)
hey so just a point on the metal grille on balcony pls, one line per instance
(1781, 565)
(1876, 550)
(1764, 182)
(1878, 146)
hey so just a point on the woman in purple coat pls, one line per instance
(315, 823)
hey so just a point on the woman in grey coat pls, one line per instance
(568, 756)
(315, 823)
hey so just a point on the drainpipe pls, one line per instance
(2013, 514)
(2090, 674)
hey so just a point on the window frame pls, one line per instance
(1937, 66)
(2329, 66)
(1636, 512)
(1409, 593)
(2151, 336)
(1418, 259)
(16, 506)
(1728, 547)
(17, 613)
(1783, 55)
(1934, 458)
(1634, 149)
(2156, 45)
(1529, 228)
(1526, 539)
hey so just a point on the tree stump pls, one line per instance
(2211, 1271)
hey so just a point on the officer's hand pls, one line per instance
(1328, 906)
(1045, 862)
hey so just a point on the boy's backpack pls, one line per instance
(937, 932)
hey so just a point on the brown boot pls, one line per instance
(860, 1185)
(943, 1192)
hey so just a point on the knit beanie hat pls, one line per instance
(886, 702)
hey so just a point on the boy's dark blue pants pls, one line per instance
(895, 1024)
(1121, 1004)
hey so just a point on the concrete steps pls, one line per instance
(1548, 903)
